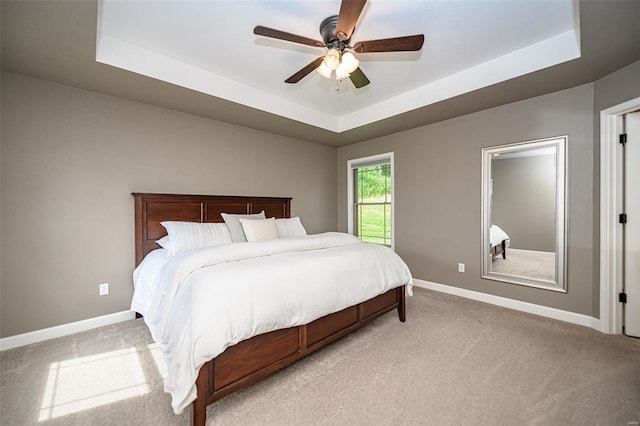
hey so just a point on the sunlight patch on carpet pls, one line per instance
(87, 382)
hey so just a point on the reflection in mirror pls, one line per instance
(523, 213)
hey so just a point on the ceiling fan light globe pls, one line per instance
(332, 59)
(341, 71)
(350, 62)
(323, 70)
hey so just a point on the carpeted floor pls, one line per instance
(454, 361)
(525, 263)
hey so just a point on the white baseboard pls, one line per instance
(63, 330)
(91, 323)
(518, 305)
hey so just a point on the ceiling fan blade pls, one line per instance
(304, 71)
(358, 78)
(282, 35)
(350, 11)
(396, 44)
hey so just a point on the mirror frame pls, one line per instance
(561, 145)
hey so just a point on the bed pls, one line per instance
(251, 359)
(499, 241)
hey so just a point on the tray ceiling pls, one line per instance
(209, 47)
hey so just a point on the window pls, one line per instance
(370, 185)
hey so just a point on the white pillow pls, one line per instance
(235, 227)
(164, 242)
(192, 235)
(290, 227)
(259, 229)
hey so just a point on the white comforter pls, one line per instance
(209, 299)
(497, 235)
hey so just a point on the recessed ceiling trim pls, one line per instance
(118, 53)
(553, 51)
(138, 55)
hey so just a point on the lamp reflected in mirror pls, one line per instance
(523, 213)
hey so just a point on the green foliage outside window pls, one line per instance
(373, 204)
(374, 182)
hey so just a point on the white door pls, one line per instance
(632, 227)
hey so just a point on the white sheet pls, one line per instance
(209, 299)
(145, 279)
(497, 235)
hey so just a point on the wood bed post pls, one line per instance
(402, 303)
(199, 406)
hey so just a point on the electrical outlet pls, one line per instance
(460, 267)
(104, 289)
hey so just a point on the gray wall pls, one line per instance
(438, 184)
(70, 160)
(523, 202)
(63, 149)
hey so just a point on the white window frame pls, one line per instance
(358, 162)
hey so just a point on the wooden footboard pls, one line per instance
(255, 358)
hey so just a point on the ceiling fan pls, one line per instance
(336, 34)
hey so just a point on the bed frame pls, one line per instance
(500, 249)
(250, 360)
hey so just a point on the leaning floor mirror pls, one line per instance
(523, 213)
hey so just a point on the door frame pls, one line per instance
(611, 126)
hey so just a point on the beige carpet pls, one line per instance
(454, 362)
(525, 263)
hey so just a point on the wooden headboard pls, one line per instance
(151, 209)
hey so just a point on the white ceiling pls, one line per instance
(209, 46)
